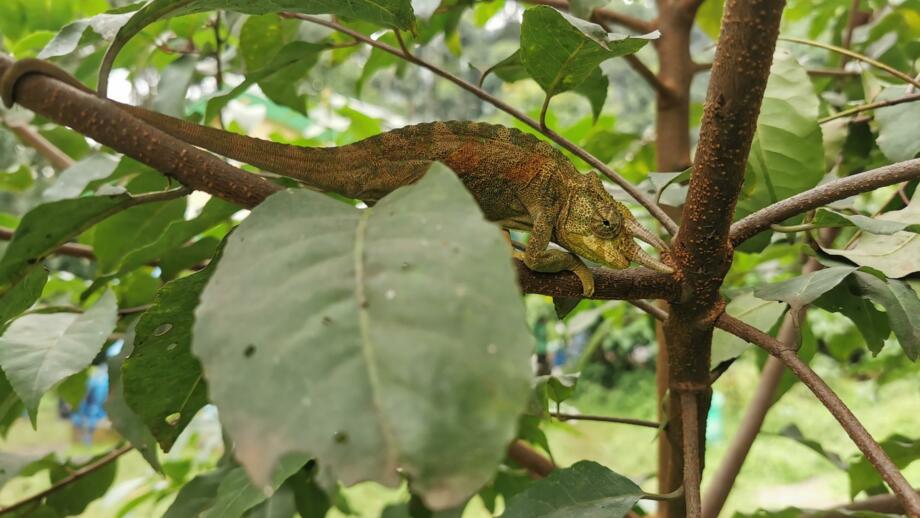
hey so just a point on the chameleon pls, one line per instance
(518, 180)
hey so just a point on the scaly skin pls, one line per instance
(518, 180)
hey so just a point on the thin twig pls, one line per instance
(852, 22)
(870, 106)
(576, 150)
(73, 477)
(832, 72)
(646, 73)
(605, 419)
(822, 195)
(218, 44)
(692, 467)
(855, 55)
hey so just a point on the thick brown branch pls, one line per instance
(576, 150)
(822, 195)
(693, 468)
(887, 504)
(73, 477)
(606, 15)
(112, 126)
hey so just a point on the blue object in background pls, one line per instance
(91, 410)
(715, 426)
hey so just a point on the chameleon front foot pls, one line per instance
(575, 266)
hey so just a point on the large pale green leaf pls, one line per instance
(560, 51)
(371, 339)
(162, 380)
(759, 313)
(390, 13)
(803, 290)
(787, 154)
(897, 126)
(173, 86)
(11, 463)
(38, 351)
(68, 38)
(585, 490)
(894, 255)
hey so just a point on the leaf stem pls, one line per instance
(870, 106)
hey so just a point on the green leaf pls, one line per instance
(388, 13)
(279, 505)
(359, 318)
(594, 88)
(236, 494)
(16, 181)
(864, 477)
(803, 290)
(709, 18)
(848, 299)
(793, 432)
(902, 307)
(825, 217)
(299, 56)
(173, 86)
(897, 126)
(125, 421)
(787, 154)
(757, 312)
(558, 388)
(72, 498)
(11, 464)
(198, 494)
(68, 38)
(136, 227)
(10, 405)
(585, 490)
(38, 351)
(71, 182)
(48, 226)
(583, 8)
(22, 295)
(509, 70)
(177, 234)
(162, 380)
(894, 255)
(311, 501)
(560, 51)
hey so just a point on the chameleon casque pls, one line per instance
(519, 181)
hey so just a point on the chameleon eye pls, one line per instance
(606, 223)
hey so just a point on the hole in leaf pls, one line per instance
(173, 418)
(340, 437)
(162, 329)
(172, 346)
(249, 351)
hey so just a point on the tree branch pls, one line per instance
(576, 150)
(73, 477)
(57, 158)
(607, 15)
(850, 424)
(693, 468)
(108, 124)
(887, 504)
(761, 220)
(870, 106)
(632, 283)
(538, 465)
(857, 432)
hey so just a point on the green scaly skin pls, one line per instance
(518, 180)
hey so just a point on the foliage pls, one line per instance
(342, 343)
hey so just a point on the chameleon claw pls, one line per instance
(587, 279)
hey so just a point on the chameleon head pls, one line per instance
(595, 226)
